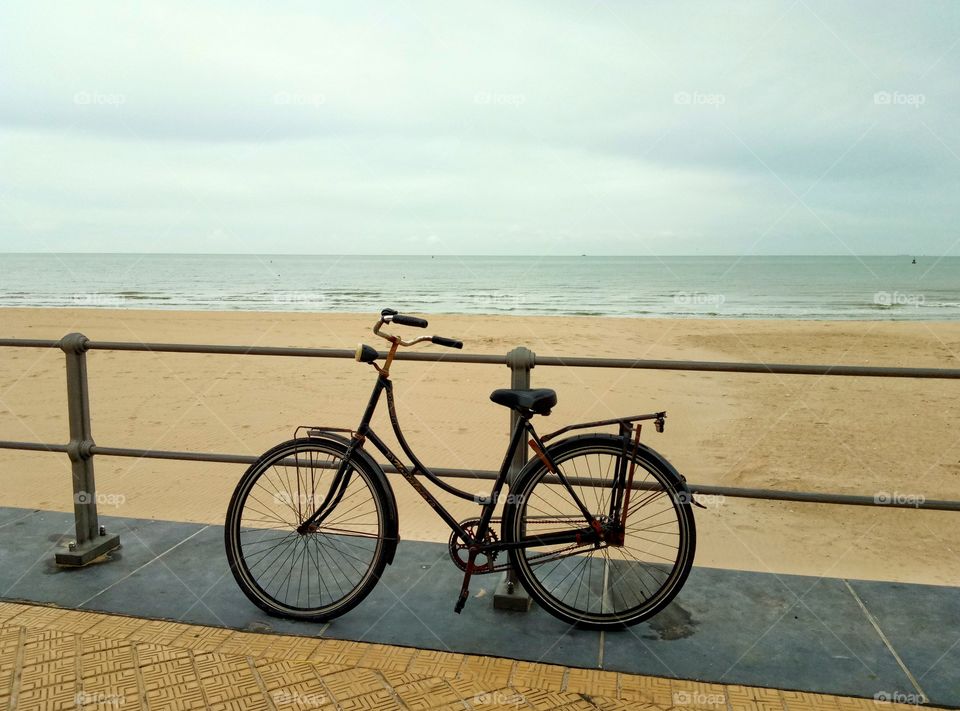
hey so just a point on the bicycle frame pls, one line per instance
(590, 533)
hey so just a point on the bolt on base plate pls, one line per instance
(80, 555)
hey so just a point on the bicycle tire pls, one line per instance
(263, 516)
(554, 577)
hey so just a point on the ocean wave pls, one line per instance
(641, 287)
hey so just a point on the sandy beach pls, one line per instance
(849, 435)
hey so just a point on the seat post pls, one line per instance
(509, 595)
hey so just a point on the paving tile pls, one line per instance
(494, 669)
(42, 646)
(578, 705)
(9, 610)
(157, 632)
(374, 700)
(176, 697)
(436, 663)
(646, 689)
(211, 664)
(540, 699)
(307, 694)
(170, 666)
(295, 648)
(276, 674)
(387, 658)
(71, 621)
(177, 671)
(848, 703)
(246, 643)
(427, 694)
(203, 639)
(605, 704)
(55, 696)
(475, 687)
(155, 653)
(698, 695)
(37, 617)
(753, 699)
(803, 701)
(256, 702)
(353, 682)
(593, 682)
(121, 685)
(398, 678)
(114, 626)
(105, 661)
(225, 687)
(541, 676)
(338, 652)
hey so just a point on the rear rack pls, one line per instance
(623, 422)
(314, 431)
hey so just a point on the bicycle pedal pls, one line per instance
(461, 601)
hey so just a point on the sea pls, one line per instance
(765, 287)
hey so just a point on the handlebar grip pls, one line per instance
(448, 342)
(409, 321)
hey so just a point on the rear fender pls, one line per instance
(557, 448)
(679, 479)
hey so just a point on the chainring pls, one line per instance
(460, 551)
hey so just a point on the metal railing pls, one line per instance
(93, 541)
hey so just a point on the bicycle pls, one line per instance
(598, 527)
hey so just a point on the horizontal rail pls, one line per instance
(33, 446)
(734, 367)
(571, 361)
(287, 351)
(28, 343)
(810, 497)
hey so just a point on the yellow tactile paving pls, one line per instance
(65, 659)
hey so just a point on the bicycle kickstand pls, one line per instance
(465, 588)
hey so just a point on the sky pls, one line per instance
(480, 128)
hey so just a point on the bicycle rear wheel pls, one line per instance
(601, 585)
(317, 575)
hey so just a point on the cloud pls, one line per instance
(367, 127)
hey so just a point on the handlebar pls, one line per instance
(392, 316)
(409, 321)
(448, 342)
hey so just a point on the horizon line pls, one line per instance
(515, 256)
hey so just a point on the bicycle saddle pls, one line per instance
(538, 401)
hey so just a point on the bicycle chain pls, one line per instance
(533, 560)
(552, 555)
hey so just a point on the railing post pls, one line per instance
(92, 540)
(509, 595)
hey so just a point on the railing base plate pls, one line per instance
(505, 598)
(88, 551)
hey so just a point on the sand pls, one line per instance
(849, 435)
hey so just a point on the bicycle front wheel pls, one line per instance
(317, 575)
(606, 584)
